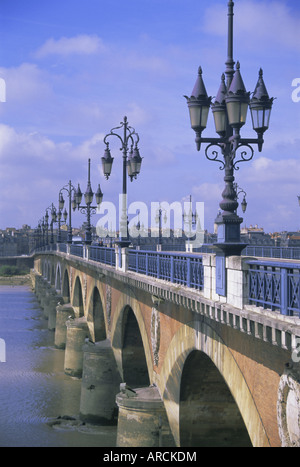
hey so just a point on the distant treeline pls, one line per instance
(9, 271)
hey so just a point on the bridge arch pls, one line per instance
(42, 267)
(208, 413)
(65, 288)
(77, 301)
(95, 316)
(130, 342)
(58, 283)
(192, 343)
(46, 270)
(52, 275)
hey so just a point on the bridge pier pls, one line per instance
(54, 301)
(142, 420)
(42, 292)
(63, 313)
(77, 332)
(100, 383)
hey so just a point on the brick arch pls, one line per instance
(52, 274)
(45, 269)
(128, 303)
(65, 285)
(48, 271)
(96, 316)
(199, 336)
(58, 277)
(77, 297)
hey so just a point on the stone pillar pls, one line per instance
(142, 419)
(238, 281)
(54, 301)
(288, 406)
(100, 383)
(121, 258)
(33, 279)
(77, 332)
(41, 286)
(63, 313)
(236, 278)
(45, 299)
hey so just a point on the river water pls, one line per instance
(34, 390)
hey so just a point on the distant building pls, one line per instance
(287, 239)
(16, 242)
(256, 236)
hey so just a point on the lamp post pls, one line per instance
(53, 220)
(88, 209)
(132, 164)
(39, 235)
(61, 202)
(158, 220)
(230, 111)
(43, 227)
(59, 216)
(46, 227)
(190, 219)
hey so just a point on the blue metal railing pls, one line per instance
(103, 255)
(272, 252)
(275, 286)
(184, 269)
(62, 247)
(76, 250)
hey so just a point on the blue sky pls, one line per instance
(74, 68)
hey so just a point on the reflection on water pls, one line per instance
(34, 390)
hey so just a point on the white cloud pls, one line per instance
(255, 21)
(265, 170)
(33, 168)
(25, 82)
(82, 44)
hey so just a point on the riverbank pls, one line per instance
(15, 280)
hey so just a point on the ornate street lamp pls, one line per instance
(40, 234)
(46, 226)
(238, 191)
(61, 202)
(88, 209)
(158, 220)
(190, 219)
(131, 163)
(230, 112)
(52, 210)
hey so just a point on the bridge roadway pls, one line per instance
(183, 365)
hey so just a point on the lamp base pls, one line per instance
(229, 235)
(123, 243)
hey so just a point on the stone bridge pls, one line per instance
(174, 364)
